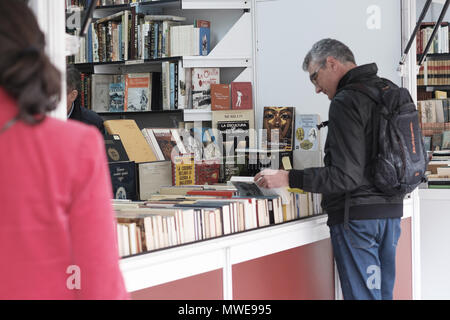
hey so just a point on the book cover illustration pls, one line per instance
(100, 92)
(114, 148)
(278, 123)
(204, 36)
(123, 179)
(306, 132)
(165, 141)
(204, 42)
(192, 144)
(116, 97)
(138, 92)
(202, 78)
(207, 172)
(241, 95)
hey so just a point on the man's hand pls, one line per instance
(269, 178)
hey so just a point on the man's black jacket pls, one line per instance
(348, 153)
(86, 116)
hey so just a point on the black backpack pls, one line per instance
(399, 158)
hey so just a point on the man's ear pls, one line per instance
(332, 62)
(74, 94)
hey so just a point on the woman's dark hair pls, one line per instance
(26, 72)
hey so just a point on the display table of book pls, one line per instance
(291, 260)
(434, 242)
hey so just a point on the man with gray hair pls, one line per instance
(364, 222)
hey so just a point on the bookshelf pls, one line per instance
(231, 44)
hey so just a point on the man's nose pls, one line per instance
(318, 89)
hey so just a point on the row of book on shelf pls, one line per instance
(434, 110)
(440, 43)
(435, 123)
(171, 89)
(101, 3)
(130, 35)
(181, 215)
(434, 73)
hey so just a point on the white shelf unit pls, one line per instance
(218, 4)
(220, 253)
(232, 42)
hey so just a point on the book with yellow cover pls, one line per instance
(134, 142)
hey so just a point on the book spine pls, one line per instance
(133, 31)
(172, 85)
(175, 85)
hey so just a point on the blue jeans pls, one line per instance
(365, 257)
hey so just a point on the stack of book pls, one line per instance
(441, 180)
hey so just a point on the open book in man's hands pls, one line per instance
(247, 187)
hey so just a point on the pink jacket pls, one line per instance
(57, 226)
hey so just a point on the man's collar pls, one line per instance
(71, 110)
(358, 73)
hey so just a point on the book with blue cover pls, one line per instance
(116, 97)
(204, 41)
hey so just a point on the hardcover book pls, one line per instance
(123, 179)
(114, 148)
(138, 92)
(202, 78)
(220, 97)
(207, 172)
(153, 175)
(234, 126)
(132, 138)
(165, 141)
(100, 92)
(278, 123)
(241, 95)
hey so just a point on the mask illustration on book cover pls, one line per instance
(279, 118)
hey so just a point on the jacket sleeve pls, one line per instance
(346, 148)
(92, 224)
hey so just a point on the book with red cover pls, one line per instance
(217, 193)
(202, 23)
(220, 97)
(207, 172)
(241, 95)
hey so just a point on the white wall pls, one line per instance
(433, 12)
(287, 29)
